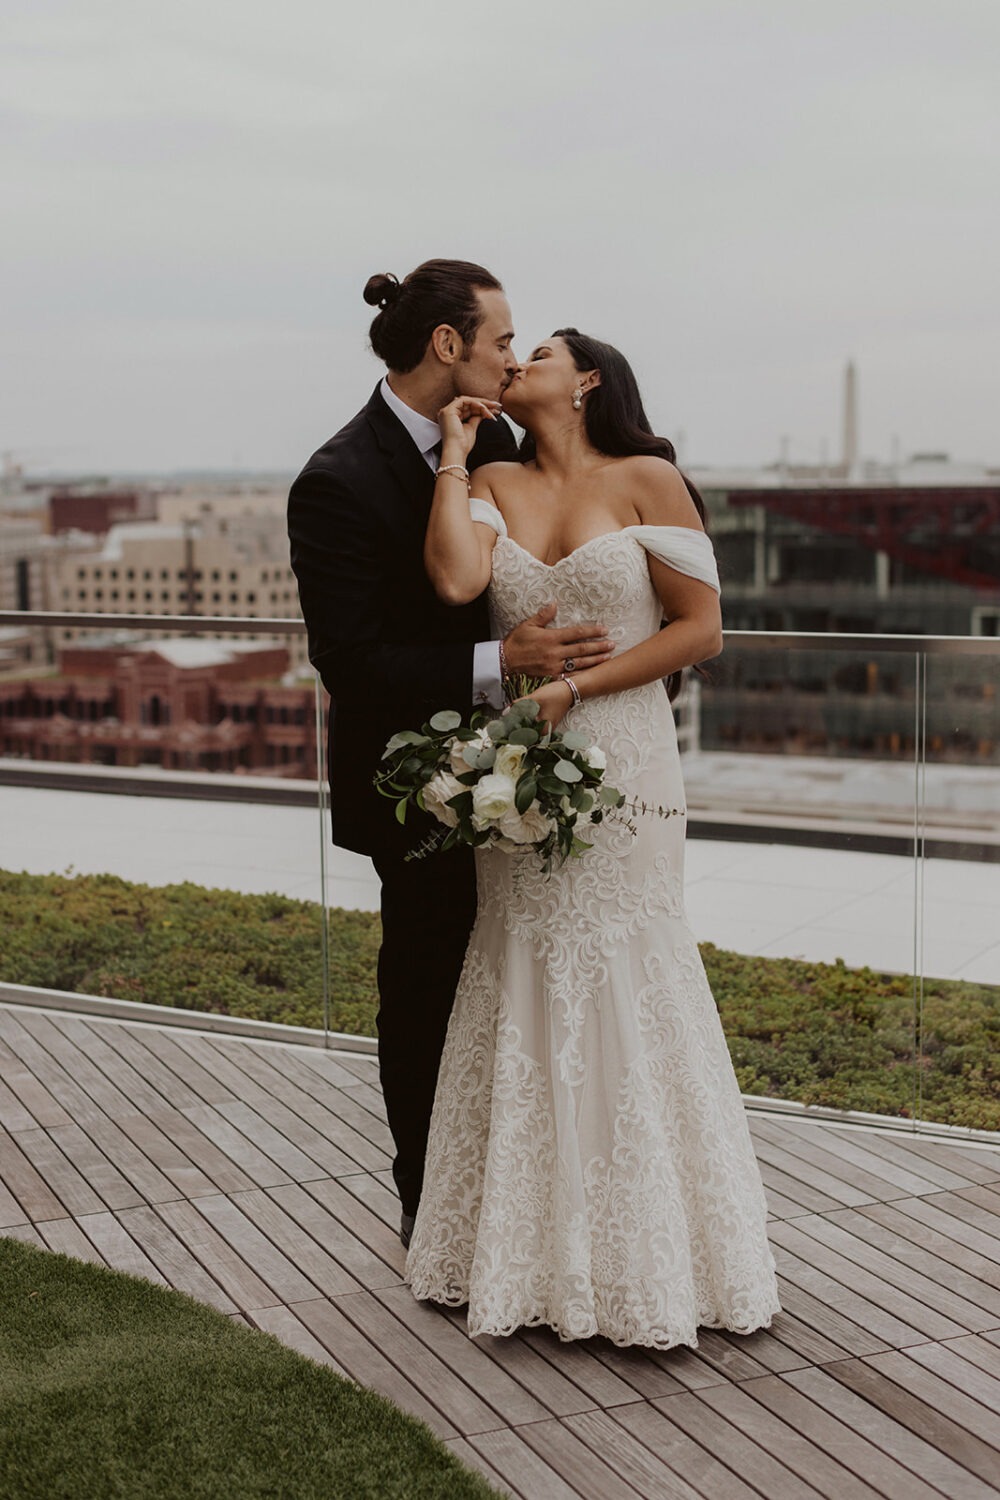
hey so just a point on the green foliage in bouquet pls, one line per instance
(508, 781)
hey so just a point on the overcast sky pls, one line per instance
(739, 195)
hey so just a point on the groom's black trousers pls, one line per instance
(428, 908)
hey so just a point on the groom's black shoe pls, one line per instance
(406, 1229)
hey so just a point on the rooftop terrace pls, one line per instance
(255, 1176)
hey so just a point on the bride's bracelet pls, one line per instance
(577, 700)
(459, 471)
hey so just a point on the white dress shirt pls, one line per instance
(487, 686)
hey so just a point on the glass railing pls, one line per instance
(161, 790)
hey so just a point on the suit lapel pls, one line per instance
(409, 469)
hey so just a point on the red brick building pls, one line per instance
(188, 705)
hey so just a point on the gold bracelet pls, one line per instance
(459, 470)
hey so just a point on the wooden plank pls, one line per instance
(141, 1175)
(179, 1268)
(24, 1182)
(379, 1237)
(762, 1470)
(696, 1465)
(925, 1290)
(778, 1206)
(284, 1324)
(237, 1149)
(577, 1363)
(59, 1173)
(978, 1351)
(90, 1041)
(941, 1167)
(41, 1106)
(946, 1361)
(645, 1376)
(501, 1392)
(333, 1232)
(466, 1454)
(844, 1162)
(242, 1235)
(911, 1234)
(380, 1198)
(296, 1243)
(912, 1251)
(967, 1205)
(95, 1168)
(462, 1406)
(326, 1119)
(805, 1198)
(558, 1395)
(816, 1467)
(975, 1162)
(630, 1459)
(118, 1247)
(100, 1093)
(577, 1463)
(289, 1140)
(68, 1102)
(922, 1380)
(128, 1041)
(894, 1436)
(522, 1470)
(736, 1357)
(199, 1081)
(224, 1264)
(806, 1344)
(366, 1364)
(11, 1211)
(13, 1115)
(842, 1442)
(27, 1233)
(965, 1450)
(185, 1154)
(67, 1238)
(952, 1224)
(872, 1303)
(806, 1183)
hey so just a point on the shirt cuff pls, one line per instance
(487, 687)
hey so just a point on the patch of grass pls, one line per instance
(114, 1389)
(819, 1033)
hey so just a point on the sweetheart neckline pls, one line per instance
(623, 531)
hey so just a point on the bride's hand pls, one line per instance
(459, 422)
(554, 702)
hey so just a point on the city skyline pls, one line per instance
(742, 201)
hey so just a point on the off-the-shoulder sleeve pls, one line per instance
(482, 510)
(682, 548)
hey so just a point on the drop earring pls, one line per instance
(577, 399)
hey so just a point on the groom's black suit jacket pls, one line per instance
(388, 651)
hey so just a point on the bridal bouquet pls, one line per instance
(504, 781)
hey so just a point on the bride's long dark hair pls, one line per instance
(614, 418)
(615, 422)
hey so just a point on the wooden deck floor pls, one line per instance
(255, 1176)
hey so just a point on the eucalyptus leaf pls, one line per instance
(566, 771)
(574, 740)
(497, 730)
(610, 796)
(525, 736)
(446, 720)
(483, 759)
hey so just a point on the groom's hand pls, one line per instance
(536, 649)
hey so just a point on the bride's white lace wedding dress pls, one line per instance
(589, 1164)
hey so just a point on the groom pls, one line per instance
(390, 654)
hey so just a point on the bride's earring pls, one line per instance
(577, 399)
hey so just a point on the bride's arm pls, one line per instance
(458, 551)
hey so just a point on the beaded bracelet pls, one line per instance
(459, 470)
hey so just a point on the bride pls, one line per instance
(589, 1164)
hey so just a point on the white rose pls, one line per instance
(436, 795)
(492, 796)
(509, 758)
(459, 765)
(526, 828)
(596, 758)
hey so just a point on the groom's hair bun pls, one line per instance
(439, 291)
(381, 290)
